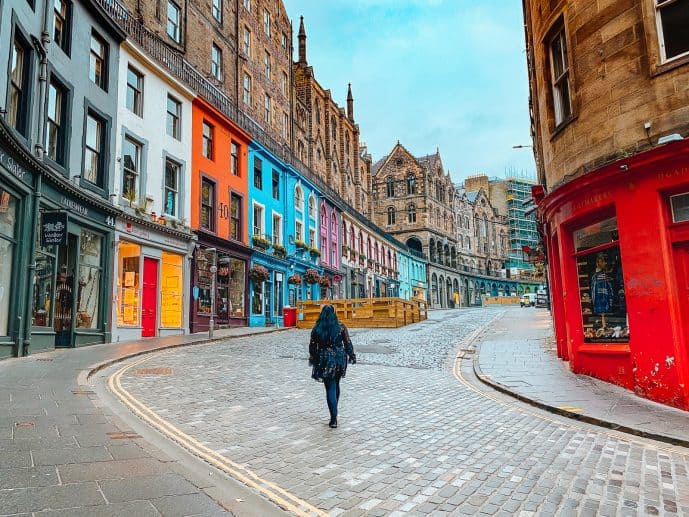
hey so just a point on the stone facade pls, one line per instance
(327, 136)
(625, 93)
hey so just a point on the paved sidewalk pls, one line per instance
(516, 357)
(64, 453)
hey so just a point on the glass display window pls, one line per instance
(601, 283)
(43, 284)
(8, 223)
(129, 284)
(237, 285)
(204, 262)
(257, 298)
(171, 298)
(88, 296)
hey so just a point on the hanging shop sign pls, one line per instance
(53, 229)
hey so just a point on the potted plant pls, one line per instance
(314, 252)
(279, 251)
(258, 274)
(260, 242)
(295, 279)
(311, 276)
(324, 282)
(130, 196)
(300, 244)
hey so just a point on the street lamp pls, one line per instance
(521, 146)
(214, 270)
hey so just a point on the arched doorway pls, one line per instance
(434, 290)
(448, 293)
(441, 291)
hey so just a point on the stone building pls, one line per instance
(326, 136)
(204, 32)
(264, 86)
(610, 115)
(413, 199)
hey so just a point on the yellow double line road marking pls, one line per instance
(273, 492)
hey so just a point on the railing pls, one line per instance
(180, 68)
(365, 312)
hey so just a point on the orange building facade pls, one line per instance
(219, 200)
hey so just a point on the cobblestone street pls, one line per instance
(412, 438)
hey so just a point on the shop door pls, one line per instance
(268, 302)
(149, 298)
(682, 270)
(63, 322)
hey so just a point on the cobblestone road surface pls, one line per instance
(412, 439)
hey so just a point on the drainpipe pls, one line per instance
(42, 49)
(23, 345)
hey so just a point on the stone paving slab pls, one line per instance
(517, 357)
(412, 439)
(59, 446)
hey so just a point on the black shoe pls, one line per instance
(333, 423)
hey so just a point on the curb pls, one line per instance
(568, 414)
(97, 367)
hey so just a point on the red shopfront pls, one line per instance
(618, 250)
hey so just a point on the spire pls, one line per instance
(302, 42)
(350, 103)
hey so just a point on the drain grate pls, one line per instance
(44, 359)
(23, 424)
(153, 371)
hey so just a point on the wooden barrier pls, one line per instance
(365, 312)
(501, 300)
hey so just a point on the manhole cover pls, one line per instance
(153, 371)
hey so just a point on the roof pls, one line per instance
(429, 162)
(376, 166)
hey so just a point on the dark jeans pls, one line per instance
(332, 395)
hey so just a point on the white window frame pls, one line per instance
(267, 65)
(247, 41)
(176, 34)
(276, 236)
(262, 227)
(659, 5)
(247, 5)
(178, 181)
(246, 88)
(266, 22)
(177, 117)
(299, 198)
(313, 238)
(298, 230)
(138, 91)
(138, 166)
(560, 112)
(216, 62)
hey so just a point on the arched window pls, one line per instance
(391, 215)
(317, 113)
(344, 234)
(377, 254)
(390, 187)
(412, 213)
(361, 242)
(300, 150)
(333, 124)
(389, 258)
(298, 198)
(324, 217)
(411, 184)
(312, 206)
(347, 143)
(382, 252)
(333, 239)
(352, 242)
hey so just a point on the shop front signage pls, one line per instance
(53, 229)
(14, 168)
(74, 206)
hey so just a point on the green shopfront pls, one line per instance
(51, 295)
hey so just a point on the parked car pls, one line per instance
(527, 300)
(542, 299)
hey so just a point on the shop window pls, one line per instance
(43, 284)
(88, 296)
(129, 284)
(680, 208)
(601, 284)
(204, 261)
(171, 297)
(172, 176)
(207, 204)
(237, 286)
(98, 61)
(235, 217)
(8, 223)
(257, 298)
(673, 20)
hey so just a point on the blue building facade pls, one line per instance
(412, 275)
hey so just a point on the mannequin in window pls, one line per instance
(601, 287)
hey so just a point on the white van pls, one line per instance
(527, 300)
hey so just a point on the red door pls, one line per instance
(149, 298)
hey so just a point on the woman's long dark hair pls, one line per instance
(327, 326)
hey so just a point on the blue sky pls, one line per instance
(431, 73)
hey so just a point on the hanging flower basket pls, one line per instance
(260, 242)
(311, 276)
(279, 251)
(325, 282)
(259, 274)
(300, 244)
(314, 252)
(295, 279)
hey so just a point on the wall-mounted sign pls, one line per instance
(53, 229)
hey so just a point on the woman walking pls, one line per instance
(329, 349)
